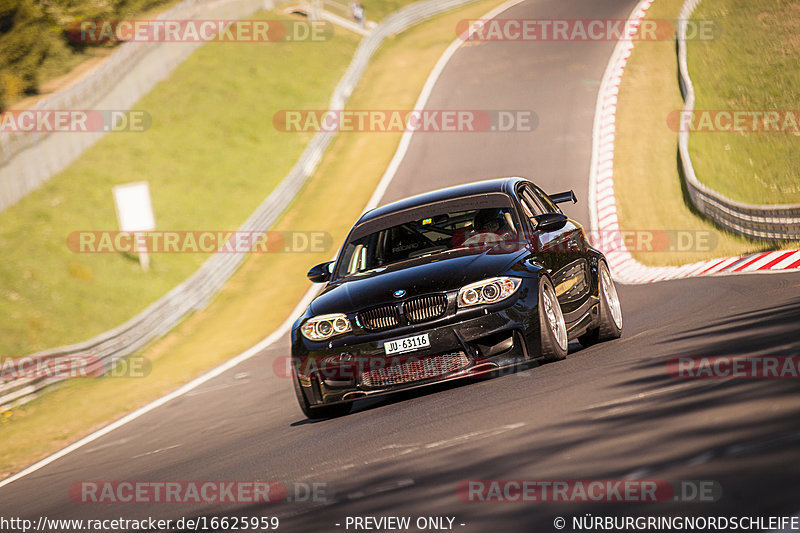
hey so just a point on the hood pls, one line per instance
(440, 273)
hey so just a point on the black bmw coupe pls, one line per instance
(452, 283)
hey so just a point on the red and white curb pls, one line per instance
(603, 204)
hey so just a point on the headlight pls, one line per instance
(324, 327)
(487, 291)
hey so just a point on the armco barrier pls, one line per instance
(194, 293)
(774, 222)
(603, 217)
(28, 159)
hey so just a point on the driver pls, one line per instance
(489, 221)
(489, 226)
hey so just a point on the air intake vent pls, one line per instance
(414, 370)
(426, 308)
(383, 317)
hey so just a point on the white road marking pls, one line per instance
(214, 388)
(372, 491)
(106, 445)
(221, 369)
(689, 384)
(732, 450)
(475, 435)
(442, 444)
(399, 450)
(283, 328)
(755, 446)
(156, 451)
(639, 473)
(701, 459)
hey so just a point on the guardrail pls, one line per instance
(323, 10)
(772, 222)
(28, 159)
(194, 293)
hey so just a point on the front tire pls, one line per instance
(553, 329)
(318, 412)
(610, 313)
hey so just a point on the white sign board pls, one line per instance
(134, 209)
(135, 215)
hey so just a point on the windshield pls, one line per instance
(430, 235)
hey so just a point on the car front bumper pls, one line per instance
(467, 344)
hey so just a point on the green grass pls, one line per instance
(646, 181)
(378, 9)
(251, 304)
(211, 156)
(753, 65)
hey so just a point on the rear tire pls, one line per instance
(322, 411)
(553, 330)
(609, 324)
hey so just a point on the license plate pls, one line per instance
(408, 344)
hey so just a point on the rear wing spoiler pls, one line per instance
(561, 197)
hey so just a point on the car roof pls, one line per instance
(505, 185)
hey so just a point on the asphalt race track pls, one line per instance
(611, 411)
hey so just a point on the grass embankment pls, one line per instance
(648, 187)
(751, 66)
(252, 303)
(211, 156)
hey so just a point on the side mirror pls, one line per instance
(320, 273)
(550, 222)
(562, 197)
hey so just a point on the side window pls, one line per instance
(546, 202)
(526, 208)
(531, 204)
(357, 260)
